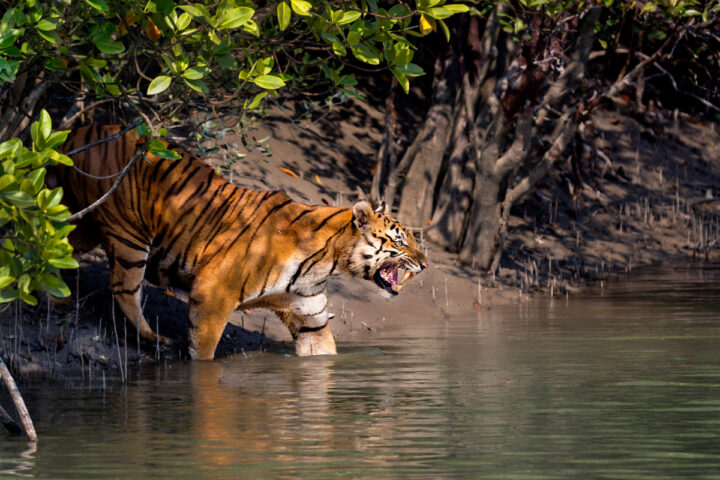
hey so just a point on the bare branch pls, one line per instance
(708, 104)
(68, 121)
(17, 399)
(14, 121)
(99, 201)
(105, 140)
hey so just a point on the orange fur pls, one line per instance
(180, 224)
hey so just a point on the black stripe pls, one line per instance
(296, 275)
(203, 187)
(154, 264)
(312, 329)
(267, 277)
(173, 166)
(272, 210)
(229, 245)
(301, 214)
(174, 189)
(128, 264)
(326, 245)
(127, 243)
(326, 220)
(126, 291)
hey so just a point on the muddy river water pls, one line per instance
(620, 383)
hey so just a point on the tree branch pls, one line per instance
(17, 399)
(68, 121)
(9, 422)
(518, 151)
(567, 127)
(99, 201)
(14, 121)
(105, 140)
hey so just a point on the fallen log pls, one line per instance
(17, 399)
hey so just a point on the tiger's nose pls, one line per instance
(423, 264)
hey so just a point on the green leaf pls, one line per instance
(402, 79)
(269, 82)
(649, 7)
(6, 180)
(48, 24)
(54, 285)
(183, 21)
(157, 147)
(284, 14)
(8, 296)
(64, 262)
(193, 10)
(108, 45)
(235, 17)
(195, 73)
(411, 70)
(37, 177)
(27, 298)
(365, 54)
(445, 29)
(456, 7)
(256, 100)
(60, 158)
(301, 7)
(349, 17)
(159, 85)
(197, 85)
(54, 197)
(10, 148)
(100, 5)
(398, 10)
(439, 13)
(5, 281)
(45, 125)
(56, 139)
(226, 61)
(24, 284)
(19, 198)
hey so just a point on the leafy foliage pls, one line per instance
(161, 58)
(210, 51)
(33, 231)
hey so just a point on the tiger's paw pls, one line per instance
(315, 343)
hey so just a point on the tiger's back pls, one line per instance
(179, 223)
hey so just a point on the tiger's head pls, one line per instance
(385, 251)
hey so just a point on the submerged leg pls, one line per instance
(208, 312)
(309, 339)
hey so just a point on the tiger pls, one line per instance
(178, 223)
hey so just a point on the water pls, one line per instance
(625, 385)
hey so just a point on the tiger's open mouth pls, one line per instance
(387, 278)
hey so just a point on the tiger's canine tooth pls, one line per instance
(397, 288)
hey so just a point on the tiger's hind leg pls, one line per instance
(127, 271)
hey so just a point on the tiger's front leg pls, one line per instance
(307, 320)
(209, 307)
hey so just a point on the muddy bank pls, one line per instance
(642, 193)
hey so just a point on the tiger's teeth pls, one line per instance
(408, 275)
(397, 288)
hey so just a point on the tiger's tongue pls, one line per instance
(408, 275)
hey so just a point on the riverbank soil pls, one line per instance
(642, 192)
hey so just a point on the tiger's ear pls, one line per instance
(362, 214)
(382, 208)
